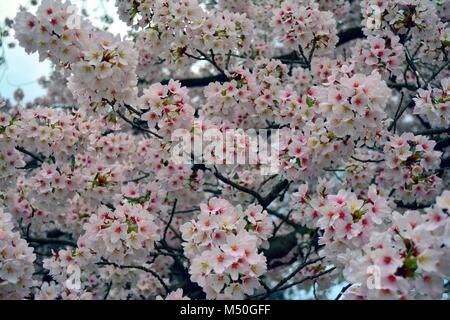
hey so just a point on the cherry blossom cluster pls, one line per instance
(325, 68)
(223, 33)
(306, 203)
(306, 154)
(164, 38)
(353, 104)
(53, 186)
(341, 9)
(107, 72)
(55, 31)
(265, 92)
(16, 261)
(434, 104)
(96, 59)
(407, 262)
(181, 29)
(10, 160)
(358, 174)
(124, 283)
(330, 111)
(350, 97)
(126, 234)
(74, 275)
(260, 14)
(232, 99)
(411, 164)
(150, 49)
(302, 79)
(115, 147)
(300, 24)
(154, 158)
(247, 7)
(349, 221)
(409, 17)
(383, 255)
(100, 180)
(135, 13)
(147, 194)
(16, 202)
(384, 54)
(46, 131)
(222, 244)
(168, 107)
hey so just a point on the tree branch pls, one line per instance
(28, 153)
(61, 242)
(157, 276)
(344, 37)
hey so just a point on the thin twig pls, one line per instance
(28, 153)
(433, 131)
(134, 125)
(343, 291)
(368, 160)
(170, 220)
(62, 242)
(436, 73)
(157, 276)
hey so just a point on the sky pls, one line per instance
(23, 70)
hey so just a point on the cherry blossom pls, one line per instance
(350, 97)
(16, 261)
(223, 244)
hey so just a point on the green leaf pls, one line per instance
(310, 102)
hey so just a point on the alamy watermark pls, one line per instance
(73, 281)
(73, 19)
(374, 277)
(231, 147)
(374, 19)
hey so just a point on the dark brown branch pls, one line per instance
(157, 276)
(445, 163)
(28, 153)
(344, 37)
(170, 221)
(263, 201)
(237, 186)
(280, 246)
(275, 193)
(442, 144)
(400, 112)
(433, 131)
(345, 288)
(199, 82)
(411, 206)
(293, 284)
(137, 127)
(367, 160)
(145, 175)
(436, 73)
(306, 279)
(408, 86)
(285, 280)
(349, 35)
(61, 242)
(284, 218)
